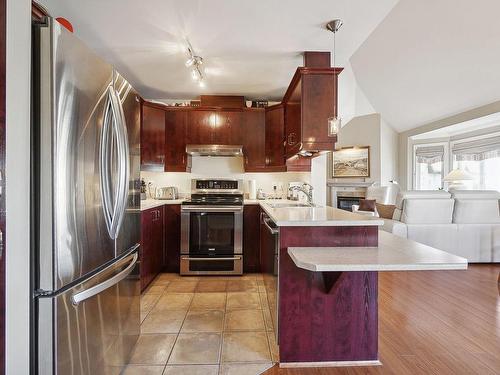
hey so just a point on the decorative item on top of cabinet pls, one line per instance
(151, 256)
(251, 238)
(176, 127)
(152, 137)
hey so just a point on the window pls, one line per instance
(428, 167)
(480, 157)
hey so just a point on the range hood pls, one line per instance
(214, 150)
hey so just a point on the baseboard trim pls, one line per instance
(330, 364)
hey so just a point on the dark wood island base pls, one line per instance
(327, 318)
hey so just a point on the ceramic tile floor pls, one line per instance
(204, 326)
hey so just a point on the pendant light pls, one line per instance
(335, 122)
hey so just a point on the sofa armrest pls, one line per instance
(395, 227)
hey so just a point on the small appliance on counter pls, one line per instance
(166, 193)
(143, 190)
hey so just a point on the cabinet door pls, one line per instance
(228, 128)
(251, 238)
(298, 163)
(176, 159)
(275, 134)
(254, 139)
(152, 138)
(157, 242)
(172, 237)
(293, 134)
(200, 126)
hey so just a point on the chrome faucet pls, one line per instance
(307, 189)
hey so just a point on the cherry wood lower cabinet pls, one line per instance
(151, 244)
(326, 316)
(172, 237)
(251, 238)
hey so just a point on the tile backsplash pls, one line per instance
(224, 167)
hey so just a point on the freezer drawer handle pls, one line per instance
(96, 289)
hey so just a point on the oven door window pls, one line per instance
(211, 233)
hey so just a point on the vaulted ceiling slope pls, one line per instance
(250, 48)
(431, 59)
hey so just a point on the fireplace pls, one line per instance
(346, 202)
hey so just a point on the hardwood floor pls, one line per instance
(434, 322)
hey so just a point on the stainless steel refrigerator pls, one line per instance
(86, 209)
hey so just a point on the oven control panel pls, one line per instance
(217, 184)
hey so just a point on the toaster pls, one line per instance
(169, 192)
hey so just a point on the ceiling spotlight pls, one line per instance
(194, 62)
(201, 83)
(190, 62)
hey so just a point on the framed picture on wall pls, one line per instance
(351, 162)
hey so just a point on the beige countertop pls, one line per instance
(293, 216)
(315, 216)
(393, 253)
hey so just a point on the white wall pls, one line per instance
(18, 186)
(228, 167)
(364, 131)
(388, 153)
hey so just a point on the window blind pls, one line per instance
(429, 154)
(477, 150)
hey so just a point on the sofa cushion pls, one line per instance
(475, 194)
(476, 211)
(427, 211)
(367, 205)
(385, 211)
(420, 194)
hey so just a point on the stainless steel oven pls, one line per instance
(212, 229)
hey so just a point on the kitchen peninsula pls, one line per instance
(327, 282)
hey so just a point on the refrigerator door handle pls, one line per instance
(104, 162)
(96, 289)
(123, 165)
(114, 126)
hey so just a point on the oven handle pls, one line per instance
(228, 258)
(212, 209)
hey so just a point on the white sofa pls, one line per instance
(461, 222)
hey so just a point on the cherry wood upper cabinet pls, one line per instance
(176, 128)
(200, 126)
(254, 140)
(309, 102)
(228, 127)
(152, 138)
(275, 134)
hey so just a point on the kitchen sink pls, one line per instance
(289, 205)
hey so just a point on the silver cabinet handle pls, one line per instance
(272, 230)
(214, 259)
(90, 292)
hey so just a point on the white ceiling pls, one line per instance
(250, 48)
(431, 59)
